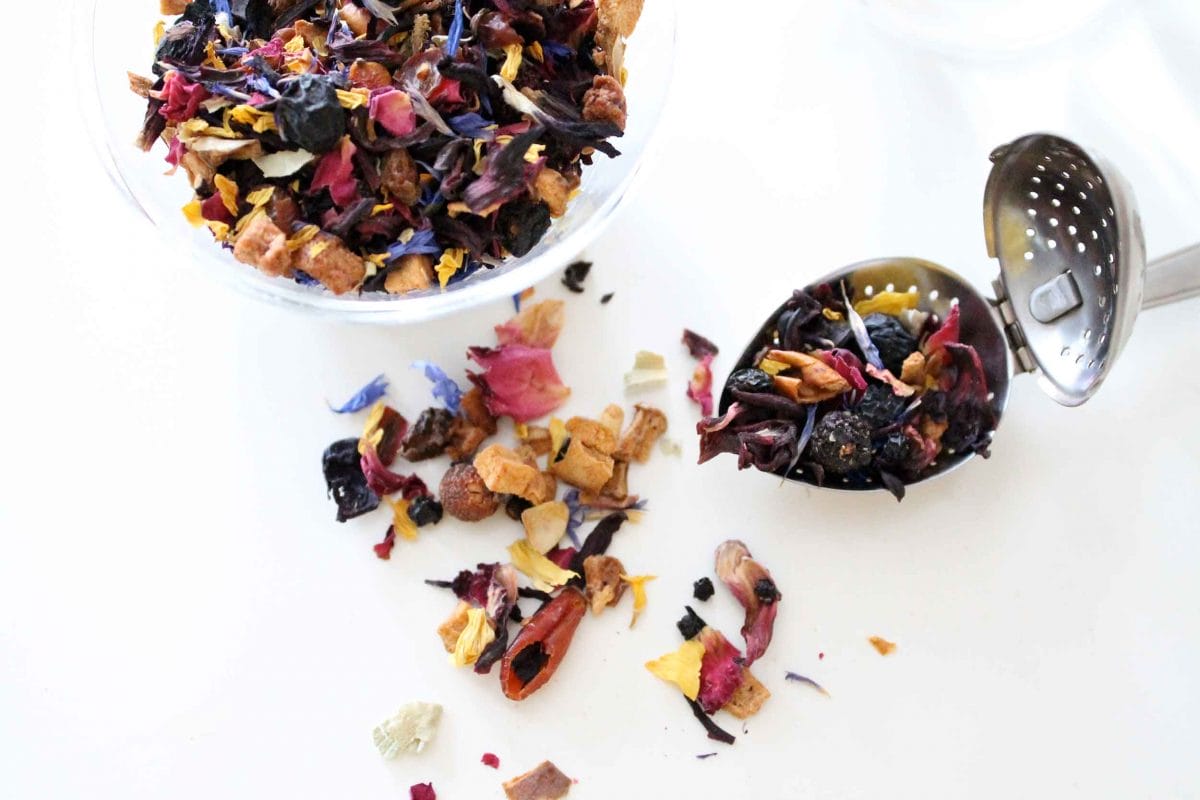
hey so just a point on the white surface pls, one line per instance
(181, 617)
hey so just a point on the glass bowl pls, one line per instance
(111, 37)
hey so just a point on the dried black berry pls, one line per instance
(880, 405)
(750, 380)
(515, 506)
(522, 224)
(702, 589)
(841, 442)
(574, 275)
(309, 115)
(424, 510)
(516, 615)
(345, 481)
(691, 624)
(891, 339)
(429, 436)
(765, 591)
(895, 452)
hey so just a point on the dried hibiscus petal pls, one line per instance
(541, 645)
(754, 588)
(720, 670)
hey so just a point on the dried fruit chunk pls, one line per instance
(817, 381)
(465, 496)
(543, 782)
(583, 466)
(453, 626)
(638, 441)
(504, 471)
(413, 273)
(748, 698)
(429, 436)
(754, 588)
(604, 584)
(541, 645)
(545, 525)
(327, 259)
(882, 646)
(262, 244)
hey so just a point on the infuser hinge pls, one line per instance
(1012, 329)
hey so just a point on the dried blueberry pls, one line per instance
(702, 589)
(309, 115)
(891, 339)
(895, 452)
(345, 481)
(522, 224)
(765, 591)
(691, 624)
(880, 405)
(841, 442)
(424, 510)
(750, 380)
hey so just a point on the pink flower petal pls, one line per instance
(181, 98)
(720, 671)
(336, 173)
(518, 381)
(393, 109)
(537, 325)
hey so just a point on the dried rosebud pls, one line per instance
(754, 588)
(465, 496)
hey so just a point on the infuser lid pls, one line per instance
(1065, 229)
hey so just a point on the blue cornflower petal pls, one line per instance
(366, 396)
(575, 520)
(444, 387)
(304, 279)
(472, 125)
(456, 30)
(422, 243)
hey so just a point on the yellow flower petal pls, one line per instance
(352, 98)
(192, 212)
(545, 574)
(681, 668)
(536, 52)
(887, 303)
(831, 315)
(260, 197)
(210, 56)
(261, 121)
(381, 208)
(219, 230)
(450, 263)
(638, 584)
(403, 523)
(372, 435)
(160, 29)
(522, 431)
(295, 44)
(558, 435)
(512, 62)
(476, 636)
(228, 191)
(302, 237)
(772, 367)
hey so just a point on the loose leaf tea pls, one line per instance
(378, 147)
(833, 396)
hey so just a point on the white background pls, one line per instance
(180, 616)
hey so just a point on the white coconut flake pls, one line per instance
(283, 163)
(408, 731)
(649, 369)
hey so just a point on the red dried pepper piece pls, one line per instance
(541, 645)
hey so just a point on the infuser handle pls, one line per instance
(1172, 277)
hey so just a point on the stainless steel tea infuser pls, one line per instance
(1064, 225)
